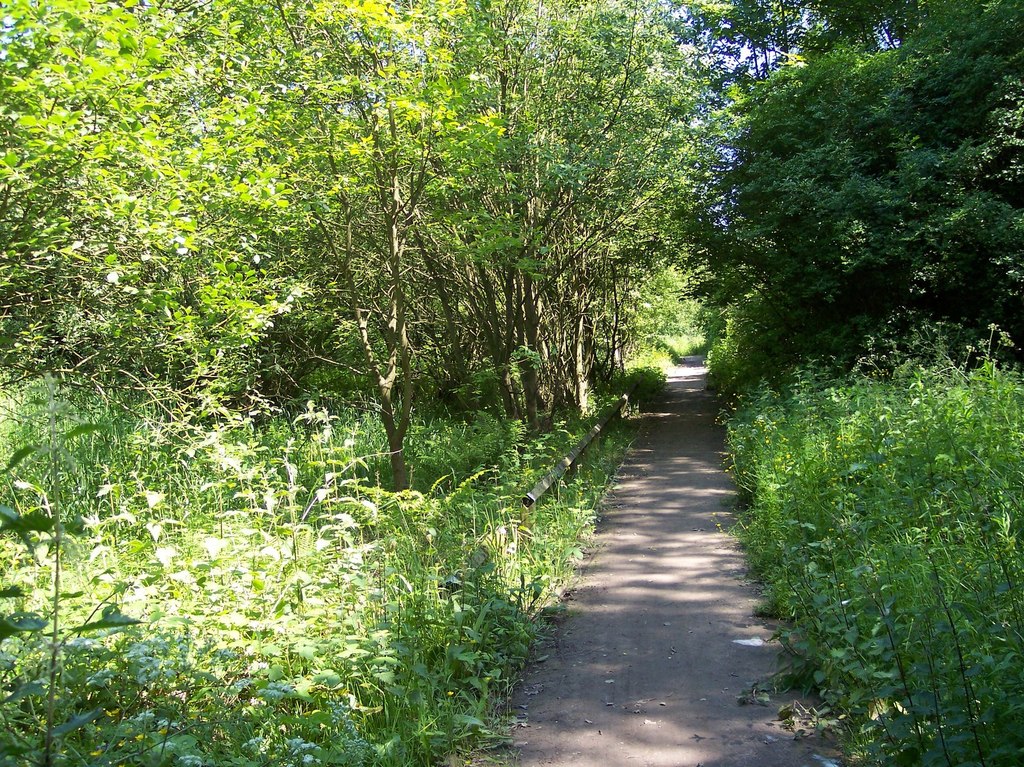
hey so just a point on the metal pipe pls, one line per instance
(566, 463)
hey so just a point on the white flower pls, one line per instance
(298, 745)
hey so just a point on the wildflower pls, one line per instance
(299, 745)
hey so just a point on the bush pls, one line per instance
(646, 381)
(886, 518)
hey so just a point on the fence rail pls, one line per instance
(573, 455)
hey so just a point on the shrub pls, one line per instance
(886, 517)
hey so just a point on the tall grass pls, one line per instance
(886, 518)
(291, 611)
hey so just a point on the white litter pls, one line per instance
(753, 642)
(825, 762)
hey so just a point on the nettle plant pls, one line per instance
(82, 683)
(885, 516)
(35, 636)
(283, 611)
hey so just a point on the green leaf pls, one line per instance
(11, 592)
(75, 722)
(20, 455)
(8, 517)
(112, 618)
(306, 650)
(34, 521)
(37, 522)
(81, 430)
(18, 623)
(21, 525)
(467, 721)
(328, 678)
(25, 691)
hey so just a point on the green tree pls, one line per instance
(591, 100)
(129, 181)
(873, 192)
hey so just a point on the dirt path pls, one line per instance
(648, 667)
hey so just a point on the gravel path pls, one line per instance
(660, 643)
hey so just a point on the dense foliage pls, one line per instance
(435, 218)
(861, 209)
(450, 223)
(239, 203)
(872, 189)
(248, 595)
(885, 516)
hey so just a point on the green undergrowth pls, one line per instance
(245, 593)
(679, 347)
(672, 326)
(886, 518)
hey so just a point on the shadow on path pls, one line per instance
(646, 669)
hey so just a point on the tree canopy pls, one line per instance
(240, 203)
(454, 202)
(872, 188)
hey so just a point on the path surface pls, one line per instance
(646, 669)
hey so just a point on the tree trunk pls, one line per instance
(529, 363)
(396, 368)
(581, 371)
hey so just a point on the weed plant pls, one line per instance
(885, 516)
(679, 347)
(246, 594)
